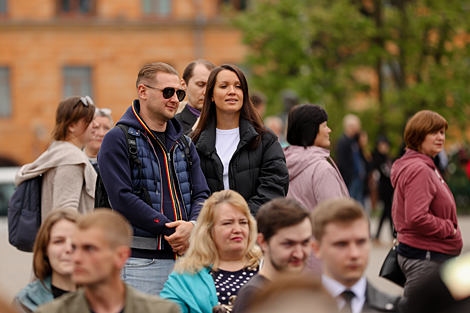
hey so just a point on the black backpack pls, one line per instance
(24, 214)
(101, 195)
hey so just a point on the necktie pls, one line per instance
(347, 295)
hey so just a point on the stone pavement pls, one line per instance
(16, 266)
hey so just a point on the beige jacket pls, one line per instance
(135, 302)
(68, 178)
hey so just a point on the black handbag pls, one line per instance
(390, 269)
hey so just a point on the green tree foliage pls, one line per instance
(401, 56)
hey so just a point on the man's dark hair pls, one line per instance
(279, 213)
(303, 124)
(188, 71)
(257, 98)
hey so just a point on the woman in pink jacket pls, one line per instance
(313, 175)
(423, 209)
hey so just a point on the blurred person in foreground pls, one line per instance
(194, 81)
(445, 290)
(293, 294)
(313, 175)
(104, 122)
(222, 256)
(342, 242)
(5, 307)
(237, 152)
(100, 250)
(68, 177)
(52, 261)
(285, 236)
(423, 210)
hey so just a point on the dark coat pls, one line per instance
(377, 301)
(345, 158)
(186, 119)
(259, 175)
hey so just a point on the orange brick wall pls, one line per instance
(36, 52)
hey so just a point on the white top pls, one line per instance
(335, 289)
(226, 142)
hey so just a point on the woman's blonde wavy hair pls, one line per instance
(202, 250)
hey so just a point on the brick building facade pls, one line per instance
(52, 49)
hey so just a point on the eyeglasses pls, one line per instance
(168, 92)
(86, 101)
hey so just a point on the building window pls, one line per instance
(77, 81)
(157, 7)
(237, 4)
(3, 6)
(76, 6)
(5, 100)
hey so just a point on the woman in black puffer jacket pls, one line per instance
(237, 152)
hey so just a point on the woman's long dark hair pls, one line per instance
(248, 111)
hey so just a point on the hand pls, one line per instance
(179, 240)
(455, 231)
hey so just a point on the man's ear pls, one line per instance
(142, 92)
(183, 84)
(316, 245)
(122, 254)
(261, 242)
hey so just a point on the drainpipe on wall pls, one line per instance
(199, 23)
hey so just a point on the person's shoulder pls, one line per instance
(378, 301)
(143, 300)
(66, 303)
(257, 282)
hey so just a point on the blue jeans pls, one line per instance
(147, 275)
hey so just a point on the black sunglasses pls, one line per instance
(168, 92)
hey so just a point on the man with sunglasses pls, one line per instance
(162, 196)
(194, 80)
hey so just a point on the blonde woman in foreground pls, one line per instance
(222, 256)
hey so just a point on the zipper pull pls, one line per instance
(169, 156)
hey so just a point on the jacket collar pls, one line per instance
(36, 294)
(206, 142)
(173, 131)
(377, 300)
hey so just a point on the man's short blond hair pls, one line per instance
(148, 73)
(116, 228)
(342, 210)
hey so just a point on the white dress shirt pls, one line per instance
(335, 288)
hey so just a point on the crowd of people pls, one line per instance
(211, 211)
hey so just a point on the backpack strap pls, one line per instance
(186, 151)
(188, 157)
(134, 159)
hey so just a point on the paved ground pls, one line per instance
(16, 266)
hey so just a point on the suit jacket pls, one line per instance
(377, 301)
(76, 302)
(187, 120)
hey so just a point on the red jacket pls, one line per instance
(423, 210)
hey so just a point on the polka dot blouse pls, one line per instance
(228, 284)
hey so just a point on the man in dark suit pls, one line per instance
(194, 81)
(342, 242)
